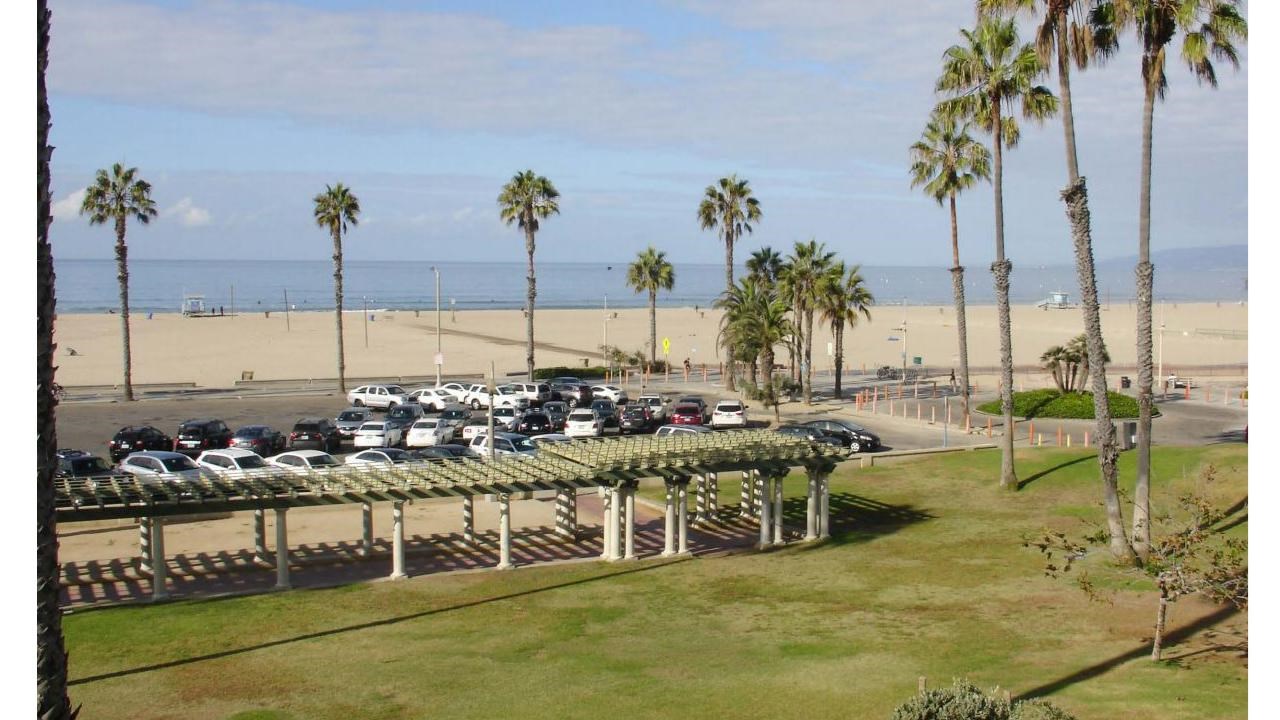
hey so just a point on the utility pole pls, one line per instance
(286, 310)
(439, 353)
(366, 320)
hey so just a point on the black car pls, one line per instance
(78, 463)
(558, 412)
(574, 392)
(261, 439)
(134, 438)
(635, 418)
(853, 436)
(812, 434)
(607, 411)
(535, 423)
(315, 434)
(196, 436)
(447, 452)
(404, 416)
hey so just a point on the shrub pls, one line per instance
(1039, 710)
(1049, 403)
(562, 371)
(964, 701)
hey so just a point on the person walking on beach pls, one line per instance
(952, 381)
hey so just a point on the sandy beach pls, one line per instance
(215, 351)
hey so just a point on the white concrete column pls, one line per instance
(160, 568)
(397, 541)
(700, 503)
(144, 545)
(366, 534)
(713, 496)
(824, 505)
(683, 509)
(607, 520)
(669, 534)
(760, 495)
(567, 513)
(615, 523)
(748, 482)
(469, 519)
(765, 529)
(630, 494)
(504, 532)
(778, 515)
(282, 550)
(811, 507)
(260, 535)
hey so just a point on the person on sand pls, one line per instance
(687, 366)
(952, 381)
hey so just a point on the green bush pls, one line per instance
(1049, 403)
(1039, 710)
(964, 701)
(561, 371)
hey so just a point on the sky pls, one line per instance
(239, 113)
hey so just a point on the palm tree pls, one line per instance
(1054, 360)
(754, 321)
(51, 654)
(115, 198)
(803, 279)
(946, 161)
(1063, 34)
(651, 272)
(729, 207)
(335, 209)
(842, 298)
(524, 200)
(765, 264)
(991, 70)
(1210, 30)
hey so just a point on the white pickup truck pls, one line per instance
(378, 396)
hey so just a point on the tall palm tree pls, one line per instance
(946, 161)
(115, 198)
(765, 264)
(524, 200)
(336, 209)
(754, 321)
(990, 70)
(51, 654)
(803, 280)
(1210, 30)
(843, 297)
(729, 207)
(1064, 34)
(651, 272)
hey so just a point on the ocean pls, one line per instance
(90, 286)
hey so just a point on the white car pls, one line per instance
(432, 398)
(583, 422)
(303, 461)
(478, 397)
(666, 430)
(379, 456)
(509, 444)
(230, 460)
(657, 406)
(378, 396)
(474, 427)
(550, 439)
(536, 392)
(151, 465)
(506, 418)
(377, 434)
(457, 390)
(609, 392)
(729, 413)
(429, 431)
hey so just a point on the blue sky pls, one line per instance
(239, 113)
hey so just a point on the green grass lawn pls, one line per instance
(926, 576)
(1049, 403)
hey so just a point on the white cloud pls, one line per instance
(69, 206)
(186, 213)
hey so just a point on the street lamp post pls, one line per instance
(1164, 384)
(366, 320)
(439, 353)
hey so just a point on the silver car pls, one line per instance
(350, 420)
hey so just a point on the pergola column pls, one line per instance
(760, 497)
(144, 544)
(282, 550)
(567, 513)
(683, 509)
(713, 496)
(160, 568)
(669, 533)
(366, 535)
(763, 481)
(777, 509)
(607, 520)
(630, 494)
(811, 507)
(700, 502)
(397, 541)
(504, 532)
(260, 535)
(744, 507)
(469, 519)
(824, 505)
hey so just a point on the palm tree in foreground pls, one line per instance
(843, 297)
(336, 209)
(946, 161)
(115, 198)
(525, 200)
(729, 207)
(651, 272)
(1210, 29)
(52, 702)
(755, 320)
(990, 70)
(803, 278)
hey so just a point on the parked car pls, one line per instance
(315, 433)
(478, 397)
(506, 418)
(474, 426)
(457, 416)
(230, 459)
(376, 433)
(686, 414)
(609, 392)
(550, 439)
(812, 434)
(302, 461)
(557, 411)
(261, 439)
(729, 413)
(80, 464)
(667, 430)
(379, 456)
(657, 406)
(378, 396)
(607, 411)
(429, 431)
(432, 398)
(404, 416)
(456, 389)
(851, 435)
(350, 420)
(702, 406)
(536, 392)
(196, 436)
(635, 418)
(448, 452)
(571, 391)
(583, 422)
(534, 423)
(152, 464)
(133, 438)
(505, 443)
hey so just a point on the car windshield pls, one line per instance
(555, 407)
(189, 430)
(395, 390)
(352, 415)
(683, 409)
(524, 444)
(322, 460)
(729, 407)
(175, 464)
(252, 431)
(306, 427)
(582, 416)
(454, 414)
(404, 411)
(633, 412)
(535, 417)
(371, 427)
(424, 425)
(250, 461)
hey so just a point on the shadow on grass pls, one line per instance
(1028, 480)
(855, 518)
(367, 625)
(1141, 651)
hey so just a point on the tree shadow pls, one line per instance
(1047, 471)
(855, 518)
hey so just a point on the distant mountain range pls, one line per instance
(1222, 257)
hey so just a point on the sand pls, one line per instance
(215, 351)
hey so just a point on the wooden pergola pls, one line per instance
(611, 466)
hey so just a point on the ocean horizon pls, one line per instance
(90, 286)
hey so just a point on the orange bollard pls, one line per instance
(704, 372)
(1086, 438)
(988, 427)
(1188, 394)
(1059, 437)
(875, 398)
(967, 428)
(1031, 432)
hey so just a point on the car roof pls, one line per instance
(685, 428)
(303, 453)
(729, 401)
(158, 454)
(310, 420)
(229, 452)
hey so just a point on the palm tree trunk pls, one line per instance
(533, 293)
(730, 368)
(337, 306)
(839, 338)
(1001, 268)
(1064, 92)
(122, 275)
(957, 289)
(653, 327)
(808, 356)
(770, 393)
(51, 655)
(1146, 279)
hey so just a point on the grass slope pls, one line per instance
(1049, 403)
(925, 576)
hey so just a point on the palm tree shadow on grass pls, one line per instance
(855, 518)
(1048, 471)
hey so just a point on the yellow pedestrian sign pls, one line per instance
(666, 346)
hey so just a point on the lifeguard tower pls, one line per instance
(193, 306)
(1057, 300)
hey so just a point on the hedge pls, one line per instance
(1049, 403)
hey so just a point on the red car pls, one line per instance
(686, 415)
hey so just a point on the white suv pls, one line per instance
(503, 396)
(729, 413)
(378, 396)
(537, 392)
(583, 422)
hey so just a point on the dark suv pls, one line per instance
(315, 434)
(137, 437)
(196, 436)
(573, 392)
(404, 416)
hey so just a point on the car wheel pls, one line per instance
(358, 403)
(854, 446)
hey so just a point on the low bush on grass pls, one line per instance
(1049, 403)
(964, 701)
